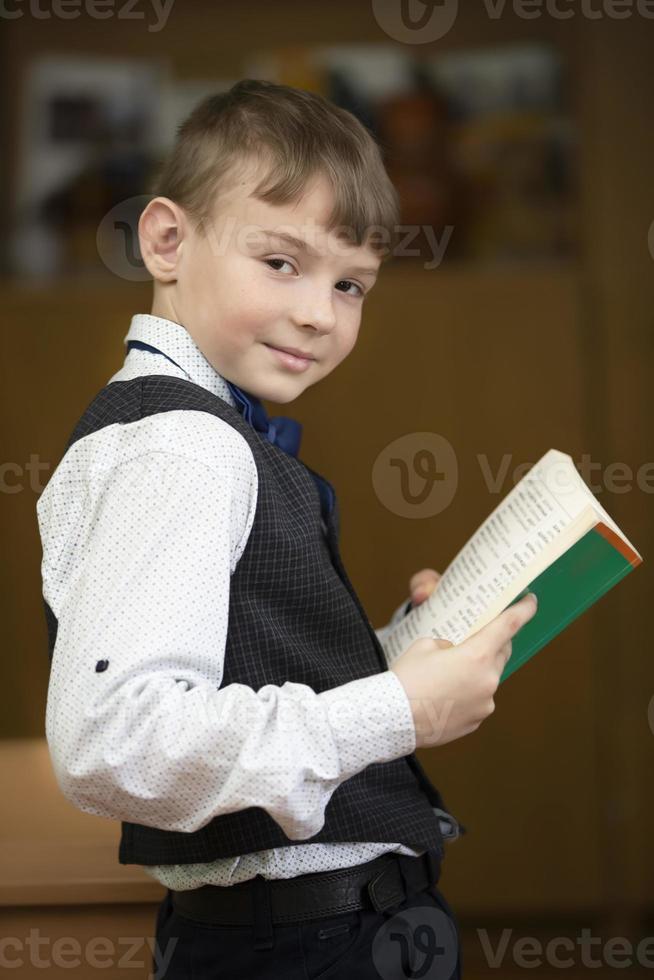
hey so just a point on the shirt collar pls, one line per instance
(174, 340)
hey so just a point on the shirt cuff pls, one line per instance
(400, 612)
(371, 721)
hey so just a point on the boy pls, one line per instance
(215, 682)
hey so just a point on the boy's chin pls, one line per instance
(282, 394)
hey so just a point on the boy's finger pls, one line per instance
(424, 575)
(423, 584)
(504, 627)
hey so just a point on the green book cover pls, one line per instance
(549, 535)
(576, 580)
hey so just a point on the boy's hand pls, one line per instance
(422, 584)
(451, 690)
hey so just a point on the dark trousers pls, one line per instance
(417, 939)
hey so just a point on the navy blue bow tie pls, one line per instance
(281, 431)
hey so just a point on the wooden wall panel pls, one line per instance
(618, 283)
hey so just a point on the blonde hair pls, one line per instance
(299, 135)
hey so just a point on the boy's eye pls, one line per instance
(283, 262)
(348, 282)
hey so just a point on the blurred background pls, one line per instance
(517, 318)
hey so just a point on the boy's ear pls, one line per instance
(161, 230)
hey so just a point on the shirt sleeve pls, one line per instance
(137, 724)
(399, 614)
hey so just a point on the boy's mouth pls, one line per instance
(295, 351)
(292, 357)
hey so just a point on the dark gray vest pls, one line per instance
(293, 616)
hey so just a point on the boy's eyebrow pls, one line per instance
(369, 271)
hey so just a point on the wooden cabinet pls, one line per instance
(66, 905)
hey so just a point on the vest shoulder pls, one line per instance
(131, 401)
(127, 420)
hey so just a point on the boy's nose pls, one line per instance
(316, 311)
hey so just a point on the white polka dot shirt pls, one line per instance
(142, 526)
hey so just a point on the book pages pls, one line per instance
(525, 523)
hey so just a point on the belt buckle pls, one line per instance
(449, 825)
(383, 892)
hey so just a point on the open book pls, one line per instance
(549, 535)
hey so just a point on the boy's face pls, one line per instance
(241, 293)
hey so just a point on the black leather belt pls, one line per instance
(379, 884)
